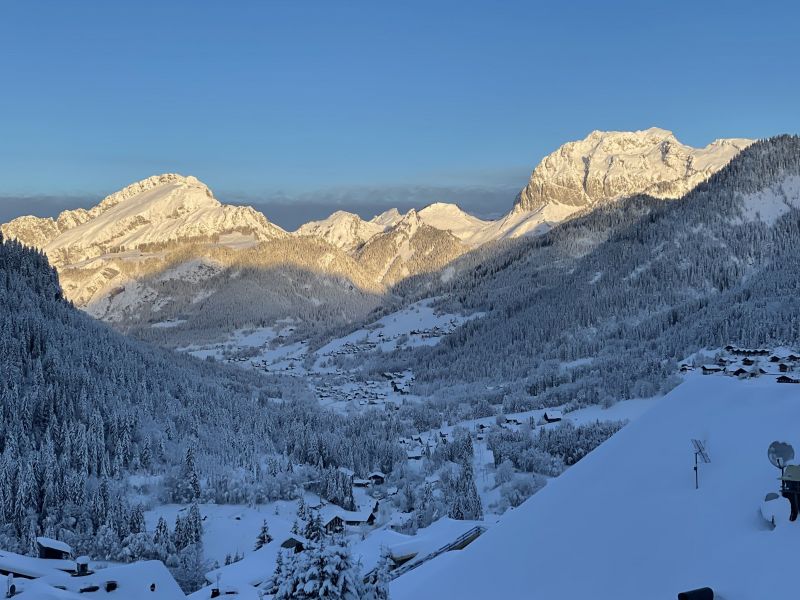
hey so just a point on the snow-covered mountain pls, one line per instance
(118, 259)
(608, 165)
(164, 209)
(410, 247)
(342, 229)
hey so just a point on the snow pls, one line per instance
(30, 566)
(628, 518)
(134, 582)
(54, 544)
(182, 208)
(342, 229)
(769, 204)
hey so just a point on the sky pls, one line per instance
(301, 107)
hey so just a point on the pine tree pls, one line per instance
(263, 536)
(377, 588)
(313, 530)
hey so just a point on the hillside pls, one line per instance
(625, 291)
(626, 521)
(87, 413)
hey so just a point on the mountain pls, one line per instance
(342, 229)
(623, 292)
(165, 250)
(158, 211)
(608, 165)
(411, 247)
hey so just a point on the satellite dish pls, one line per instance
(780, 453)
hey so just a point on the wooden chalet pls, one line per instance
(552, 416)
(787, 379)
(377, 478)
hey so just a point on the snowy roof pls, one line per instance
(376, 474)
(54, 544)
(432, 538)
(643, 498)
(133, 582)
(553, 414)
(29, 566)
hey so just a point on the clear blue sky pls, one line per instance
(256, 98)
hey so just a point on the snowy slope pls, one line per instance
(626, 521)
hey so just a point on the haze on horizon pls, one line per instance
(372, 106)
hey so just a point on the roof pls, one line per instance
(30, 566)
(553, 414)
(54, 544)
(133, 582)
(376, 474)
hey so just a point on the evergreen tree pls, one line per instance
(263, 536)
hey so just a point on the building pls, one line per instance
(787, 379)
(297, 543)
(377, 478)
(53, 549)
(552, 416)
(708, 369)
(333, 524)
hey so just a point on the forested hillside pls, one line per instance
(602, 307)
(84, 409)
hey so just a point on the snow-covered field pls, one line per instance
(627, 521)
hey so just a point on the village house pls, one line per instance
(552, 416)
(377, 478)
(787, 379)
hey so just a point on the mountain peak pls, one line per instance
(608, 165)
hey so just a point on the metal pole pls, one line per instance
(696, 480)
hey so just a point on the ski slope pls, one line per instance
(627, 523)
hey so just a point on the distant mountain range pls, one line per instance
(165, 248)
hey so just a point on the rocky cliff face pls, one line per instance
(609, 165)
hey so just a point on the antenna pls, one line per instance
(699, 451)
(779, 454)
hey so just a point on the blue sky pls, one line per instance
(314, 101)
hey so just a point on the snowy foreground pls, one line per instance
(627, 523)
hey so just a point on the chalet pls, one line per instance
(483, 427)
(513, 420)
(748, 362)
(793, 357)
(333, 524)
(296, 543)
(774, 358)
(415, 454)
(784, 368)
(358, 518)
(686, 367)
(53, 549)
(787, 379)
(377, 478)
(552, 416)
(741, 372)
(360, 483)
(708, 369)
